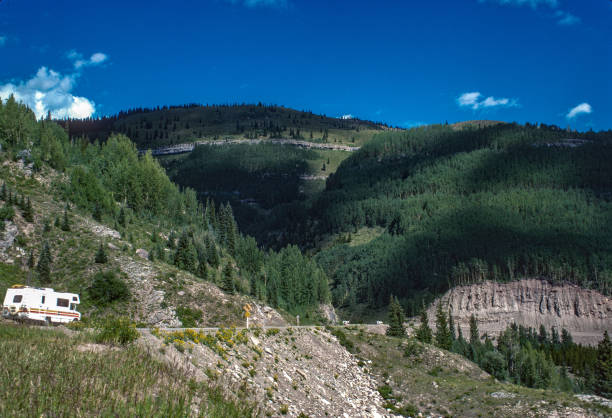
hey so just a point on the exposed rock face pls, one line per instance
(530, 302)
(290, 372)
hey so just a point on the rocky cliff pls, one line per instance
(529, 302)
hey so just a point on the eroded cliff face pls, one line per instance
(529, 302)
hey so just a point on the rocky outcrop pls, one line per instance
(287, 372)
(530, 302)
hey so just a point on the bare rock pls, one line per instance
(585, 313)
(142, 253)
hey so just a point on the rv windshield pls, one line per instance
(72, 306)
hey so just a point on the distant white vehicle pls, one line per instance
(379, 322)
(40, 304)
(345, 322)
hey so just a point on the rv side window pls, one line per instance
(63, 303)
(72, 306)
(17, 298)
(42, 301)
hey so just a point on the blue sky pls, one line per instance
(401, 62)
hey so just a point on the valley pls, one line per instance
(167, 252)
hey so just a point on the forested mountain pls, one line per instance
(123, 189)
(460, 206)
(163, 126)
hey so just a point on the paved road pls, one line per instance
(188, 147)
(283, 327)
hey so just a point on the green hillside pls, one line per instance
(462, 206)
(75, 188)
(153, 128)
(269, 186)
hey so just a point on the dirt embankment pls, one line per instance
(586, 314)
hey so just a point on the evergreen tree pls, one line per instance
(443, 336)
(31, 262)
(474, 335)
(122, 217)
(65, 222)
(28, 214)
(186, 257)
(172, 240)
(396, 319)
(97, 213)
(566, 338)
(211, 253)
(424, 333)
(603, 368)
(451, 326)
(3, 192)
(101, 257)
(228, 285)
(44, 264)
(57, 223)
(202, 270)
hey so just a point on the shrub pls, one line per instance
(107, 288)
(101, 257)
(115, 330)
(385, 391)
(7, 213)
(343, 340)
(21, 240)
(189, 317)
(413, 348)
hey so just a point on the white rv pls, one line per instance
(40, 304)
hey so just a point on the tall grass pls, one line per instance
(42, 373)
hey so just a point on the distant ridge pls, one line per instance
(475, 124)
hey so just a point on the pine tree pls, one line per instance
(474, 335)
(122, 217)
(44, 264)
(451, 326)
(186, 257)
(228, 284)
(28, 214)
(443, 336)
(424, 333)
(97, 213)
(202, 270)
(171, 240)
(396, 319)
(603, 368)
(3, 192)
(101, 257)
(31, 261)
(65, 222)
(211, 253)
(57, 223)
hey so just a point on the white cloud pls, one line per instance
(2, 40)
(580, 109)
(475, 101)
(347, 116)
(563, 18)
(532, 3)
(566, 18)
(50, 91)
(264, 3)
(79, 62)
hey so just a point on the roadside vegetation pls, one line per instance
(416, 377)
(49, 373)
